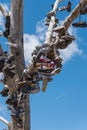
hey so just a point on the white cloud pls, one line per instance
(41, 31)
(70, 51)
(30, 41)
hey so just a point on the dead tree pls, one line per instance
(16, 38)
(16, 32)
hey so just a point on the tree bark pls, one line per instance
(16, 33)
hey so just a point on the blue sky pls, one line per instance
(64, 105)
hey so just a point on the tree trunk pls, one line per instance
(16, 33)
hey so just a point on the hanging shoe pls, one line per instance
(4, 90)
(12, 67)
(47, 20)
(19, 124)
(56, 71)
(45, 70)
(49, 78)
(51, 13)
(21, 84)
(80, 24)
(68, 37)
(47, 23)
(13, 44)
(33, 90)
(59, 29)
(15, 117)
(84, 10)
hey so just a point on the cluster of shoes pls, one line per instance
(68, 7)
(46, 66)
(65, 39)
(7, 65)
(14, 105)
(81, 23)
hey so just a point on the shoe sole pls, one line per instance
(56, 71)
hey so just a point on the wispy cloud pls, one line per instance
(30, 41)
(60, 96)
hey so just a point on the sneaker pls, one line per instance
(45, 45)
(38, 48)
(49, 78)
(46, 70)
(7, 71)
(51, 13)
(21, 84)
(13, 44)
(56, 71)
(10, 101)
(63, 44)
(47, 20)
(14, 117)
(12, 67)
(42, 59)
(80, 24)
(84, 10)
(19, 124)
(33, 90)
(4, 90)
(47, 23)
(59, 29)
(5, 94)
(68, 37)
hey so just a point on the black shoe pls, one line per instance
(5, 94)
(51, 13)
(80, 24)
(49, 78)
(33, 90)
(68, 37)
(15, 117)
(19, 124)
(47, 70)
(21, 84)
(5, 90)
(11, 101)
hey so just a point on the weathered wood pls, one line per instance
(52, 23)
(16, 32)
(74, 14)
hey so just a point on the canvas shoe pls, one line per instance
(59, 29)
(56, 71)
(51, 13)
